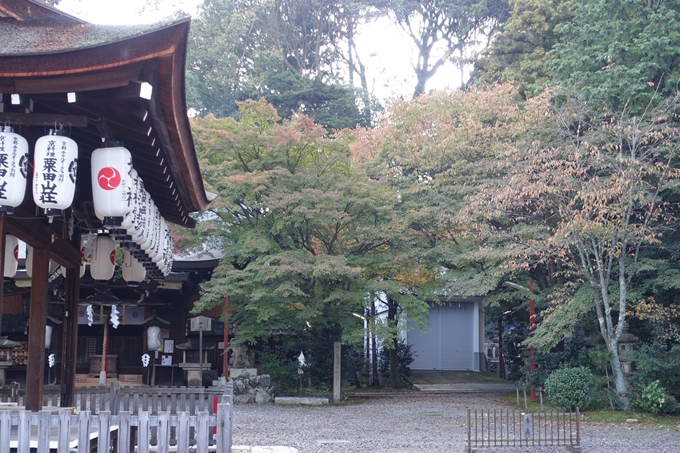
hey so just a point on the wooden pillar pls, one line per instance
(2, 266)
(37, 322)
(336, 371)
(69, 343)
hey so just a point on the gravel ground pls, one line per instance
(411, 423)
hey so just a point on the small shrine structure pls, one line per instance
(71, 89)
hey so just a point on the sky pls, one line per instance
(384, 49)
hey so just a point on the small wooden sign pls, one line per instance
(201, 324)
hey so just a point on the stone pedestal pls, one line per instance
(192, 373)
(3, 376)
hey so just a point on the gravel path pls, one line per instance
(411, 423)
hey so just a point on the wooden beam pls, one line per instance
(43, 119)
(78, 83)
(37, 234)
(37, 321)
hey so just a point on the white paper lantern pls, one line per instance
(141, 216)
(153, 338)
(29, 261)
(150, 217)
(103, 261)
(48, 337)
(11, 255)
(13, 169)
(111, 183)
(55, 165)
(133, 270)
(129, 223)
(156, 238)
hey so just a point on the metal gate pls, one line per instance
(512, 428)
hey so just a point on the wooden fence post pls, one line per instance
(124, 432)
(143, 432)
(104, 438)
(44, 432)
(183, 431)
(5, 427)
(223, 428)
(203, 430)
(114, 398)
(64, 431)
(163, 433)
(24, 439)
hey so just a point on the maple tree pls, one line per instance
(305, 233)
(587, 193)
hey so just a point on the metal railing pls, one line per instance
(512, 428)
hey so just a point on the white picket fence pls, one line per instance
(24, 431)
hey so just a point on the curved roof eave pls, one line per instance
(98, 48)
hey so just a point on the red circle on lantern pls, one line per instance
(113, 257)
(108, 178)
(16, 252)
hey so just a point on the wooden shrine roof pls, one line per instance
(35, 10)
(125, 83)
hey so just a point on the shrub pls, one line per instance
(653, 399)
(283, 372)
(654, 362)
(569, 388)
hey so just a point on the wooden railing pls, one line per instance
(132, 399)
(63, 432)
(177, 402)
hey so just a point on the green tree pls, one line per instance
(586, 191)
(299, 225)
(625, 53)
(294, 53)
(519, 52)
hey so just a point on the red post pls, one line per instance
(225, 356)
(532, 326)
(215, 411)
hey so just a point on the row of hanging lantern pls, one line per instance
(120, 200)
(125, 208)
(54, 171)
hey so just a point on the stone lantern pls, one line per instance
(626, 349)
(6, 360)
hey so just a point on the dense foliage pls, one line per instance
(553, 176)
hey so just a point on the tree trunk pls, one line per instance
(394, 366)
(394, 357)
(619, 380)
(501, 366)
